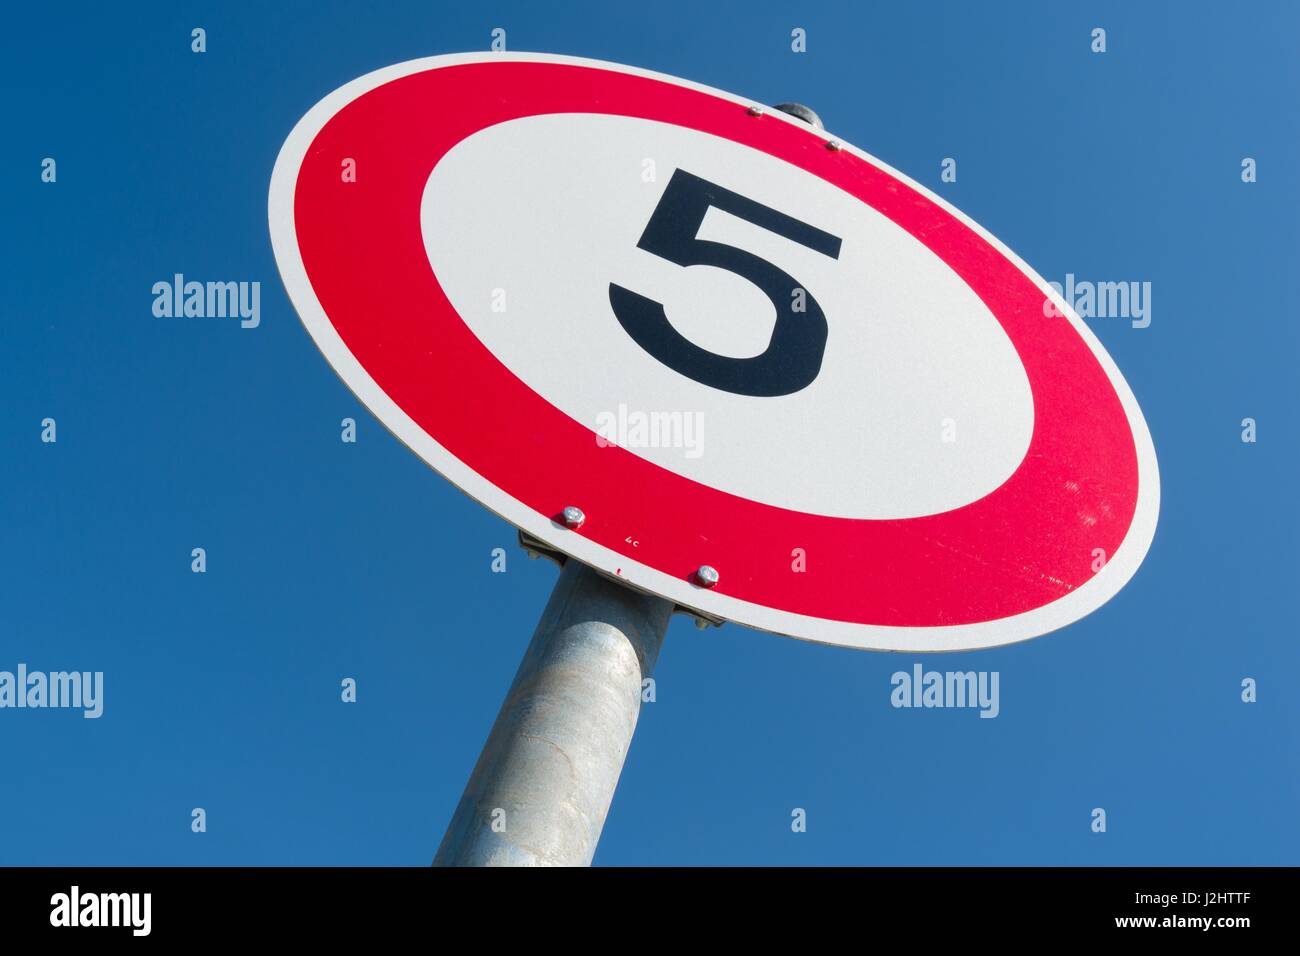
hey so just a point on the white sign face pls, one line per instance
(727, 340)
(564, 224)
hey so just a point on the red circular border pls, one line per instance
(1018, 548)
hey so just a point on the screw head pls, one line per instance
(707, 575)
(833, 144)
(573, 517)
(755, 111)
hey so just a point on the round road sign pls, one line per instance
(777, 381)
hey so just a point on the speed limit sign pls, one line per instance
(710, 350)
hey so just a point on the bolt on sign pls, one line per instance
(541, 272)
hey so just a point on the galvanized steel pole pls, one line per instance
(543, 784)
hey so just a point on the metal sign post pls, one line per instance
(540, 791)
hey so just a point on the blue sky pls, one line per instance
(328, 560)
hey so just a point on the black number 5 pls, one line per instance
(794, 355)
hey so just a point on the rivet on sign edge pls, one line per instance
(833, 144)
(707, 575)
(755, 111)
(573, 517)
